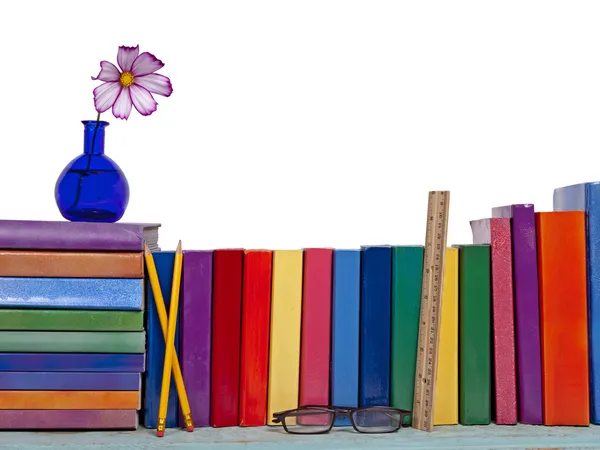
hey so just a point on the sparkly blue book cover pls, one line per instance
(72, 293)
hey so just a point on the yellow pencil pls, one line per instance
(169, 344)
(162, 316)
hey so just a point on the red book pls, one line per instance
(256, 316)
(316, 327)
(225, 345)
(496, 232)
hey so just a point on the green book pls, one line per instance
(407, 275)
(70, 320)
(72, 342)
(474, 335)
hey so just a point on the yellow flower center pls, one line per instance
(126, 79)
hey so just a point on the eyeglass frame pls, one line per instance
(341, 411)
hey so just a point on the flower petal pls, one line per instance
(126, 56)
(105, 95)
(155, 83)
(122, 107)
(142, 100)
(108, 72)
(145, 64)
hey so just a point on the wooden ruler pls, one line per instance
(431, 308)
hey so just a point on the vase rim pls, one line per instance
(101, 122)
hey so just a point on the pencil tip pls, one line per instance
(179, 247)
(146, 249)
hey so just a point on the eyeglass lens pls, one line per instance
(308, 421)
(376, 421)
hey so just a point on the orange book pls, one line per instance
(69, 400)
(71, 264)
(563, 316)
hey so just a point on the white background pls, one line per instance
(308, 123)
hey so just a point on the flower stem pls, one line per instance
(85, 172)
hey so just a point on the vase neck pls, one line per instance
(93, 137)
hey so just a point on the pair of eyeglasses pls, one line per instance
(318, 419)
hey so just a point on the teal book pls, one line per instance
(407, 276)
(164, 261)
(72, 342)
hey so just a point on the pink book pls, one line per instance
(497, 233)
(316, 327)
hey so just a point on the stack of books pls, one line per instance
(72, 339)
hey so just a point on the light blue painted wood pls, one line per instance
(274, 438)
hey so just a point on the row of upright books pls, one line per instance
(261, 331)
(268, 330)
(72, 334)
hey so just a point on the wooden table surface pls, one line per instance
(267, 438)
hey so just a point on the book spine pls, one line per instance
(527, 316)
(315, 345)
(69, 400)
(72, 342)
(593, 287)
(65, 419)
(446, 388)
(407, 275)
(72, 293)
(474, 335)
(155, 352)
(85, 236)
(345, 330)
(586, 197)
(225, 341)
(375, 332)
(284, 346)
(562, 275)
(72, 362)
(195, 317)
(70, 320)
(69, 381)
(256, 314)
(76, 264)
(496, 233)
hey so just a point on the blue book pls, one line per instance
(72, 293)
(586, 197)
(375, 328)
(70, 381)
(72, 362)
(155, 351)
(345, 323)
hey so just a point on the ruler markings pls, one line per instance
(431, 304)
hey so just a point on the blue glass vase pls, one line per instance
(92, 187)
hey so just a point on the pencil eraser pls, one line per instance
(160, 433)
(190, 428)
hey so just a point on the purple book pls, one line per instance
(527, 313)
(59, 235)
(65, 419)
(70, 381)
(196, 300)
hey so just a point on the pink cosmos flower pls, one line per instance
(133, 85)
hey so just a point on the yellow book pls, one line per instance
(446, 389)
(286, 315)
